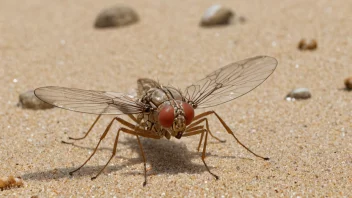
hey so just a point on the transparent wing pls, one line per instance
(87, 101)
(231, 81)
(144, 84)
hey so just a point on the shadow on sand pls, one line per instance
(164, 156)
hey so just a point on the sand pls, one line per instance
(309, 142)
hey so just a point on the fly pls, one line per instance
(164, 111)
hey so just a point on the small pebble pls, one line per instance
(307, 44)
(348, 83)
(28, 100)
(216, 15)
(297, 94)
(116, 16)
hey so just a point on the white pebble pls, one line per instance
(299, 93)
(216, 15)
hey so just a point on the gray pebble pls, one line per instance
(216, 15)
(28, 100)
(116, 16)
(297, 94)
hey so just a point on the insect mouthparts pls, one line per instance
(179, 135)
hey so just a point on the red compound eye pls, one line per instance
(189, 112)
(166, 116)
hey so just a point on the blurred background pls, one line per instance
(108, 45)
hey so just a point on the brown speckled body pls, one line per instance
(156, 96)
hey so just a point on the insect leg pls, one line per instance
(194, 131)
(228, 131)
(207, 131)
(112, 155)
(139, 132)
(195, 122)
(135, 132)
(144, 161)
(85, 135)
(205, 148)
(140, 145)
(195, 128)
(133, 118)
(201, 131)
(205, 141)
(101, 138)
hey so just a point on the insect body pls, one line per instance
(164, 111)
